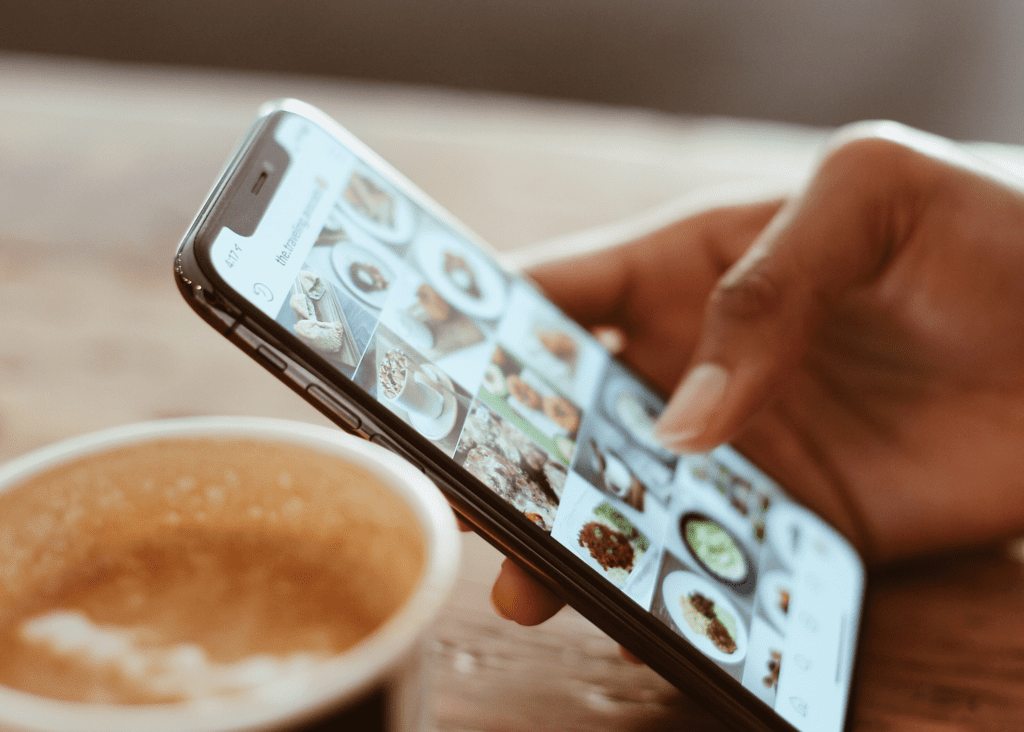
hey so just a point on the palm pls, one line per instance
(908, 408)
(910, 396)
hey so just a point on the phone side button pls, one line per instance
(387, 444)
(342, 416)
(269, 359)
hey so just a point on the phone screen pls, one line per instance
(479, 363)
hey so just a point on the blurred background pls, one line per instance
(530, 120)
(948, 66)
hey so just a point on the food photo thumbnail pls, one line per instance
(511, 464)
(718, 551)
(427, 320)
(366, 268)
(460, 273)
(608, 540)
(737, 482)
(715, 541)
(327, 320)
(414, 389)
(633, 407)
(548, 342)
(523, 397)
(774, 596)
(619, 467)
(703, 612)
(377, 208)
(765, 659)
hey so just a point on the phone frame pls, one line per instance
(345, 403)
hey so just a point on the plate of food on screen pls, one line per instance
(775, 593)
(717, 551)
(377, 207)
(428, 321)
(634, 408)
(462, 274)
(609, 541)
(553, 347)
(772, 668)
(549, 411)
(530, 396)
(512, 465)
(365, 268)
(749, 499)
(422, 390)
(705, 616)
(320, 321)
(637, 415)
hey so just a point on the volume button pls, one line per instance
(343, 417)
(270, 359)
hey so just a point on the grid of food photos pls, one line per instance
(524, 399)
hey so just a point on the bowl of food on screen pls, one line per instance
(717, 551)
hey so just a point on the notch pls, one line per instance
(244, 203)
(259, 182)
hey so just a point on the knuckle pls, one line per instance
(870, 148)
(751, 296)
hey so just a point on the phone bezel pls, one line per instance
(501, 525)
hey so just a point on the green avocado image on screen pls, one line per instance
(713, 546)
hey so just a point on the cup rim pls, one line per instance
(338, 680)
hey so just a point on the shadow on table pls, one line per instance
(943, 643)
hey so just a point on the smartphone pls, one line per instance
(339, 276)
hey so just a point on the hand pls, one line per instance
(862, 342)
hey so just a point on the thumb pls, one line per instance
(762, 313)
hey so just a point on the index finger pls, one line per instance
(596, 288)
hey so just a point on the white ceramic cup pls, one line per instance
(420, 395)
(376, 684)
(417, 392)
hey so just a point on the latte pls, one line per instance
(187, 568)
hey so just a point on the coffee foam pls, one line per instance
(186, 568)
(183, 671)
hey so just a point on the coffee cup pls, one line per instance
(217, 574)
(407, 385)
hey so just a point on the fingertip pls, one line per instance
(682, 425)
(518, 597)
(499, 603)
(611, 337)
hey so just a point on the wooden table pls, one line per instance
(101, 170)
